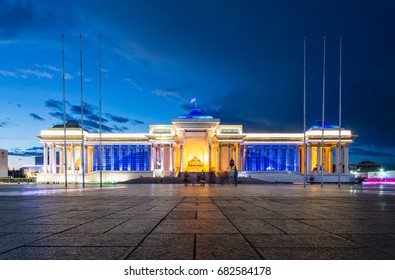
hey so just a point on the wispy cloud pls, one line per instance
(91, 116)
(117, 119)
(30, 152)
(6, 73)
(4, 123)
(169, 93)
(136, 122)
(50, 67)
(55, 69)
(54, 104)
(24, 73)
(134, 84)
(36, 117)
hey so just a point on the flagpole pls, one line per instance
(304, 112)
(82, 118)
(64, 116)
(100, 131)
(323, 116)
(340, 107)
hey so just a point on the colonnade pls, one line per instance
(332, 156)
(163, 156)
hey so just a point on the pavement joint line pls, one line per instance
(145, 237)
(194, 246)
(245, 238)
(274, 226)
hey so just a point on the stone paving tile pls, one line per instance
(95, 214)
(89, 239)
(323, 254)
(67, 253)
(256, 226)
(254, 216)
(295, 241)
(210, 215)
(339, 222)
(295, 227)
(182, 215)
(67, 214)
(137, 215)
(373, 240)
(135, 226)
(15, 240)
(355, 229)
(97, 226)
(196, 206)
(195, 226)
(26, 228)
(224, 247)
(165, 247)
(56, 221)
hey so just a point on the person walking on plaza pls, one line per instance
(235, 175)
(202, 178)
(186, 178)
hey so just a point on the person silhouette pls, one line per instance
(235, 174)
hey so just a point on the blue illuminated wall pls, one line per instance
(271, 158)
(123, 158)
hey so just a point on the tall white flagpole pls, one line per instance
(82, 118)
(64, 116)
(304, 113)
(323, 117)
(100, 131)
(340, 109)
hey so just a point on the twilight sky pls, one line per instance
(242, 60)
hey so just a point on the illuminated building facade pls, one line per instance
(192, 143)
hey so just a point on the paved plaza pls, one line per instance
(192, 222)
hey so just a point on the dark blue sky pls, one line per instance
(242, 60)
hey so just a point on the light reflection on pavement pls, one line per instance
(181, 190)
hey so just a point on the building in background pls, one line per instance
(3, 163)
(192, 143)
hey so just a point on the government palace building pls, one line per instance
(194, 143)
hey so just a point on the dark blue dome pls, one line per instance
(196, 113)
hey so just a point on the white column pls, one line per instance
(152, 157)
(227, 163)
(162, 157)
(209, 157)
(50, 158)
(239, 157)
(82, 163)
(346, 159)
(339, 154)
(72, 158)
(219, 157)
(309, 155)
(112, 157)
(287, 158)
(129, 158)
(318, 158)
(181, 158)
(45, 158)
(86, 162)
(61, 160)
(171, 158)
(53, 162)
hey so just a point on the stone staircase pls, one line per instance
(180, 180)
